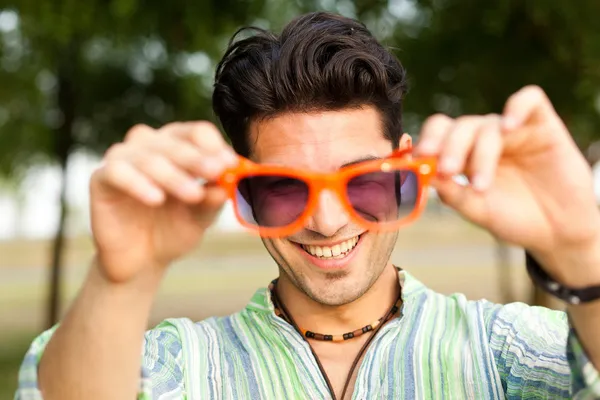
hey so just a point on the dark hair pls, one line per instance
(320, 61)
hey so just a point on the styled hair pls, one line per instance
(319, 62)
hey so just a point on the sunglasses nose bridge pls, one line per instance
(328, 183)
(329, 214)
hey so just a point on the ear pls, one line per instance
(404, 149)
(405, 142)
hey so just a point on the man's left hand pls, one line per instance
(529, 183)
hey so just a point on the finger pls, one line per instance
(204, 135)
(485, 156)
(432, 134)
(528, 104)
(168, 176)
(458, 144)
(186, 156)
(210, 207)
(123, 177)
(139, 132)
(462, 198)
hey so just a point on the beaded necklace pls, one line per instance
(281, 312)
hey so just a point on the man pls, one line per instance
(321, 97)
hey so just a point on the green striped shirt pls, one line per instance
(440, 347)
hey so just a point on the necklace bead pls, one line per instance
(334, 338)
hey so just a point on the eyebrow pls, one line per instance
(360, 160)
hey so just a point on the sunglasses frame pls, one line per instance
(336, 182)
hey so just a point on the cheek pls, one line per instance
(278, 249)
(269, 245)
(379, 244)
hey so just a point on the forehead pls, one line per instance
(321, 141)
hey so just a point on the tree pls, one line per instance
(464, 57)
(77, 75)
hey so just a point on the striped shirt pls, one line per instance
(440, 347)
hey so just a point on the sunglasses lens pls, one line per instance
(271, 201)
(384, 197)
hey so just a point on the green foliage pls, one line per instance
(82, 73)
(468, 57)
(79, 73)
(150, 61)
(89, 70)
(13, 347)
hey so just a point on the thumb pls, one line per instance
(208, 209)
(462, 198)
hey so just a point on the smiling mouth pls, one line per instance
(337, 251)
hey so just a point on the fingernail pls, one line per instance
(213, 164)
(480, 183)
(191, 189)
(449, 165)
(425, 147)
(510, 123)
(154, 195)
(230, 158)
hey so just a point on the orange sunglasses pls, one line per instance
(379, 195)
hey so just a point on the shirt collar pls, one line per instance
(261, 301)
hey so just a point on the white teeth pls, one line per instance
(337, 251)
(344, 247)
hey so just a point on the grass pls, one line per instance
(440, 249)
(12, 350)
(429, 230)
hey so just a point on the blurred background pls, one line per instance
(75, 75)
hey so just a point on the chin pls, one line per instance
(333, 281)
(339, 287)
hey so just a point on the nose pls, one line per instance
(329, 216)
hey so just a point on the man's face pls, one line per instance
(324, 142)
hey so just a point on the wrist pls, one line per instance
(141, 287)
(574, 266)
(122, 269)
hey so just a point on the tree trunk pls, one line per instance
(58, 246)
(20, 211)
(63, 144)
(504, 273)
(540, 298)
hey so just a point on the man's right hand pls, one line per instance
(147, 210)
(147, 207)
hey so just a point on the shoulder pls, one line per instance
(216, 330)
(180, 331)
(495, 318)
(517, 321)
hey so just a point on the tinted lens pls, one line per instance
(271, 200)
(384, 196)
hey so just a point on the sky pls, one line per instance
(38, 217)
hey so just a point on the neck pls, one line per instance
(311, 315)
